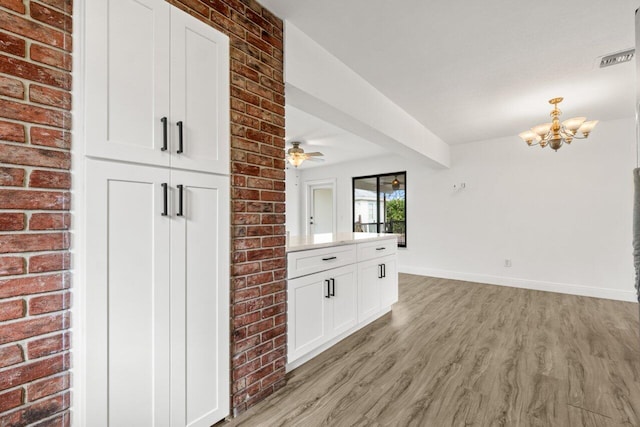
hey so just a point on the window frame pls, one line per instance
(378, 177)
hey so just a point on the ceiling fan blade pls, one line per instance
(314, 154)
(315, 159)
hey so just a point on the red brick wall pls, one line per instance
(35, 99)
(258, 290)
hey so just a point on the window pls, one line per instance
(379, 204)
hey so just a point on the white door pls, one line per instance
(199, 95)
(389, 283)
(321, 206)
(369, 277)
(200, 298)
(127, 296)
(322, 212)
(307, 305)
(127, 79)
(344, 299)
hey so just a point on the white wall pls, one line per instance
(563, 218)
(293, 202)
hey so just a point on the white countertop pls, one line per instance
(326, 240)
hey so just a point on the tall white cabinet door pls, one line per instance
(368, 288)
(344, 298)
(200, 95)
(127, 296)
(200, 298)
(127, 79)
(389, 284)
(308, 309)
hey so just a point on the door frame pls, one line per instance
(309, 186)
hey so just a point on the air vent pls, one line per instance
(617, 58)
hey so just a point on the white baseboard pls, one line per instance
(563, 288)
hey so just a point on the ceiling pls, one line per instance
(336, 144)
(471, 71)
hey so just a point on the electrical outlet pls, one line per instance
(507, 263)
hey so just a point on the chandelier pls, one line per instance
(555, 134)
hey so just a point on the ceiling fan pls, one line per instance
(296, 155)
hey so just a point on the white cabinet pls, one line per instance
(377, 285)
(157, 86)
(128, 294)
(307, 325)
(199, 298)
(333, 291)
(369, 273)
(388, 284)
(320, 307)
(199, 96)
(158, 295)
(307, 262)
(156, 89)
(343, 293)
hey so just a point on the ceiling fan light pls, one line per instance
(295, 160)
(573, 124)
(542, 130)
(587, 127)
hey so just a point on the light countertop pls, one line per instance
(326, 240)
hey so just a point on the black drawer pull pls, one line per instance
(180, 193)
(381, 249)
(330, 258)
(165, 196)
(328, 294)
(164, 134)
(179, 138)
(333, 287)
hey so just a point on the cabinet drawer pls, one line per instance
(312, 261)
(377, 249)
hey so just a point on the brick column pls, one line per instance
(35, 100)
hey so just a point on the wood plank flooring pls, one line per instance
(454, 353)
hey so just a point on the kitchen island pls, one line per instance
(337, 284)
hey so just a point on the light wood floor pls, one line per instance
(462, 354)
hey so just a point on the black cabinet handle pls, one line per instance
(164, 134)
(328, 294)
(179, 137)
(379, 271)
(165, 196)
(381, 249)
(329, 259)
(384, 270)
(333, 287)
(180, 192)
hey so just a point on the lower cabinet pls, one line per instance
(377, 285)
(157, 329)
(333, 302)
(389, 281)
(320, 307)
